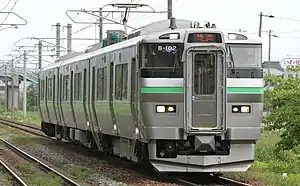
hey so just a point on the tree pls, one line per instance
(283, 102)
(32, 97)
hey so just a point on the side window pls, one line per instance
(121, 82)
(99, 84)
(66, 88)
(53, 88)
(125, 81)
(42, 89)
(77, 86)
(50, 89)
(118, 84)
(104, 83)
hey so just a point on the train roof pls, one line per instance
(84, 56)
(151, 32)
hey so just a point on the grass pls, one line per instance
(266, 170)
(32, 117)
(4, 178)
(269, 166)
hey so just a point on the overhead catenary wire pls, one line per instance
(6, 6)
(10, 11)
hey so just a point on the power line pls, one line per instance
(10, 11)
(286, 18)
(6, 5)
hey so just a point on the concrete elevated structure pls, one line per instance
(12, 92)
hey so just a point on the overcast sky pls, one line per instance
(229, 14)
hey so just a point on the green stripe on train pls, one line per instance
(230, 90)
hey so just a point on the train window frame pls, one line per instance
(46, 89)
(72, 87)
(42, 90)
(124, 81)
(66, 88)
(234, 46)
(214, 75)
(118, 82)
(53, 89)
(105, 75)
(50, 89)
(175, 70)
(78, 86)
(99, 87)
(121, 81)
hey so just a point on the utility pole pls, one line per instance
(25, 88)
(6, 88)
(69, 38)
(101, 22)
(100, 26)
(57, 39)
(170, 11)
(269, 55)
(13, 85)
(261, 15)
(40, 47)
(260, 24)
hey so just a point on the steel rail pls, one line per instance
(15, 124)
(13, 174)
(43, 165)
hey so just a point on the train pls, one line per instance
(175, 94)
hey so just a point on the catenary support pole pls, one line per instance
(57, 40)
(69, 38)
(24, 88)
(100, 26)
(170, 9)
(260, 24)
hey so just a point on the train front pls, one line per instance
(190, 116)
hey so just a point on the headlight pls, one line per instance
(241, 109)
(171, 108)
(245, 109)
(160, 109)
(165, 108)
(235, 109)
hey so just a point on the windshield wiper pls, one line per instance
(176, 62)
(232, 61)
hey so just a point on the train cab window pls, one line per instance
(249, 56)
(162, 60)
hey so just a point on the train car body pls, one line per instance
(184, 99)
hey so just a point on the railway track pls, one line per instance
(42, 166)
(214, 180)
(16, 179)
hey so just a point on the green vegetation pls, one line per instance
(270, 164)
(284, 103)
(278, 149)
(32, 117)
(5, 178)
(32, 176)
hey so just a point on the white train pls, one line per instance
(184, 99)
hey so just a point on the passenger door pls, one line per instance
(205, 93)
